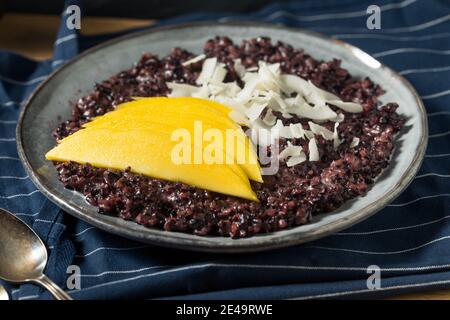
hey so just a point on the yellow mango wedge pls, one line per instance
(163, 132)
(250, 171)
(182, 112)
(139, 135)
(180, 102)
(145, 153)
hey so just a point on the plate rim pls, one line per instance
(197, 243)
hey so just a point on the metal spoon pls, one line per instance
(23, 255)
(3, 294)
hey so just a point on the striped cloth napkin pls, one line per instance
(409, 240)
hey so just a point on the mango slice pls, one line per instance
(164, 133)
(139, 135)
(180, 102)
(143, 151)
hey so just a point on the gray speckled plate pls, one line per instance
(75, 79)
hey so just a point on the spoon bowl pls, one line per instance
(24, 252)
(23, 255)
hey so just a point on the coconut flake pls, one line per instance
(321, 93)
(219, 74)
(339, 118)
(297, 100)
(239, 68)
(202, 93)
(278, 100)
(215, 89)
(249, 76)
(269, 118)
(336, 141)
(286, 115)
(297, 130)
(239, 118)
(233, 104)
(321, 112)
(351, 107)
(181, 90)
(334, 100)
(262, 136)
(246, 93)
(319, 96)
(194, 60)
(313, 150)
(291, 84)
(208, 68)
(294, 153)
(273, 68)
(252, 69)
(318, 129)
(284, 131)
(308, 134)
(255, 111)
(269, 77)
(290, 151)
(293, 161)
(232, 89)
(300, 107)
(266, 137)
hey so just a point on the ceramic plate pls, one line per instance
(50, 103)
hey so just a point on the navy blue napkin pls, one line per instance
(409, 240)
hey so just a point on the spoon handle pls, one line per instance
(56, 291)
